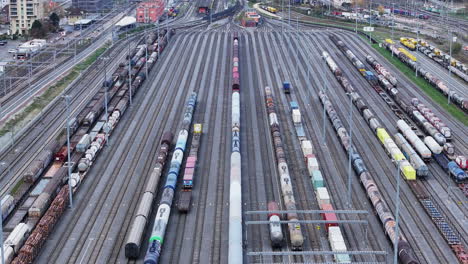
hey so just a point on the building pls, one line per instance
(73, 14)
(4, 3)
(5, 15)
(149, 12)
(24, 12)
(92, 6)
(125, 23)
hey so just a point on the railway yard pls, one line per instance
(207, 126)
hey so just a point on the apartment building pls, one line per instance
(24, 12)
(92, 6)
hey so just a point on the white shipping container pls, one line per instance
(322, 196)
(307, 148)
(312, 165)
(334, 234)
(338, 246)
(296, 114)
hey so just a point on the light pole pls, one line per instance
(450, 59)
(356, 10)
(67, 102)
(397, 215)
(1, 216)
(106, 87)
(393, 22)
(350, 121)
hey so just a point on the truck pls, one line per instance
(286, 87)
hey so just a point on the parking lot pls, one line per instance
(4, 55)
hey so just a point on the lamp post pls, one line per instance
(350, 121)
(1, 216)
(67, 103)
(397, 215)
(106, 87)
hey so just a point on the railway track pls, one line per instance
(114, 178)
(336, 186)
(407, 196)
(45, 129)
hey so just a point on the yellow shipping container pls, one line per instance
(197, 128)
(389, 41)
(402, 39)
(382, 135)
(409, 172)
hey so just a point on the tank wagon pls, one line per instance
(405, 253)
(87, 139)
(387, 142)
(164, 209)
(137, 229)
(406, 58)
(235, 255)
(295, 231)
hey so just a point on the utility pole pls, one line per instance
(370, 21)
(397, 215)
(356, 10)
(350, 121)
(1, 215)
(67, 102)
(129, 74)
(106, 87)
(450, 59)
(393, 21)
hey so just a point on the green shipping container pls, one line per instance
(317, 179)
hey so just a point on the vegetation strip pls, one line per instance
(424, 85)
(40, 102)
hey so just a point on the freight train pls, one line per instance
(335, 236)
(164, 209)
(86, 142)
(387, 142)
(145, 205)
(235, 255)
(190, 165)
(406, 58)
(295, 232)
(405, 252)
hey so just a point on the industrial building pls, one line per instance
(149, 12)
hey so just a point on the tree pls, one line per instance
(55, 19)
(381, 9)
(36, 29)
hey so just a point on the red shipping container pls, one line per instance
(328, 216)
(235, 75)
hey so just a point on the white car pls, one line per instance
(12, 51)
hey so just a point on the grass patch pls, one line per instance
(16, 187)
(431, 91)
(40, 102)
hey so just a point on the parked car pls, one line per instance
(3, 42)
(12, 51)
